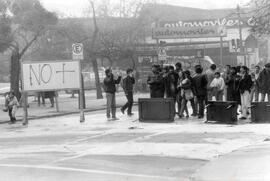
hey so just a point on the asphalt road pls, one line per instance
(63, 149)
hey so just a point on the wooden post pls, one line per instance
(25, 111)
(56, 101)
(82, 117)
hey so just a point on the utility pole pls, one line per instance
(242, 50)
(157, 40)
(221, 50)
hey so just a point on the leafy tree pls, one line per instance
(22, 22)
(261, 16)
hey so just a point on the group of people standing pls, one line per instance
(238, 84)
(174, 82)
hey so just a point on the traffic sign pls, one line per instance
(77, 51)
(162, 55)
(199, 53)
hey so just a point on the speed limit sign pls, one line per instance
(77, 51)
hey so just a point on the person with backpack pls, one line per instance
(128, 83)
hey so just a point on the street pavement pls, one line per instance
(251, 163)
(62, 148)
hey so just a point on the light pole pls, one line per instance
(242, 50)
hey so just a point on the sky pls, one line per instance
(79, 7)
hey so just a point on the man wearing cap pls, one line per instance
(264, 82)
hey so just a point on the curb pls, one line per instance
(63, 114)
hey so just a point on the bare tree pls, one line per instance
(93, 56)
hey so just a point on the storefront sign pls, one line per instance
(228, 23)
(189, 32)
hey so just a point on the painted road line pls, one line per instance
(87, 171)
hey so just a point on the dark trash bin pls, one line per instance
(222, 112)
(260, 112)
(156, 110)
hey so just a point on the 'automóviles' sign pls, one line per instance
(188, 32)
(228, 23)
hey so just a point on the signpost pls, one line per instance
(77, 51)
(162, 55)
(49, 76)
(77, 54)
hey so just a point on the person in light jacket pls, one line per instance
(11, 105)
(217, 86)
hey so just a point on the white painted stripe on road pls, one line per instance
(86, 171)
(85, 153)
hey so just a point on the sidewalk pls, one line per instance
(67, 106)
(247, 164)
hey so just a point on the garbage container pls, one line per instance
(222, 112)
(156, 110)
(260, 112)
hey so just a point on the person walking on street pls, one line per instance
(200, 89)
(264, 82)
(217, 86)
(245, 85)
(128, 84)
(110, 89)
(11, 105)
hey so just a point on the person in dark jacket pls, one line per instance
(232, 82)
(171, 80)
(110, 89)
(200, 89)
(156, 82)
(245, 85)
(128, 83)
(264, 82)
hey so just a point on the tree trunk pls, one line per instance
(97, 81)
(133, 61)
(93, 57)
(110, 61)
(15, 73)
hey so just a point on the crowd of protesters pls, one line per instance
(238, 84)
